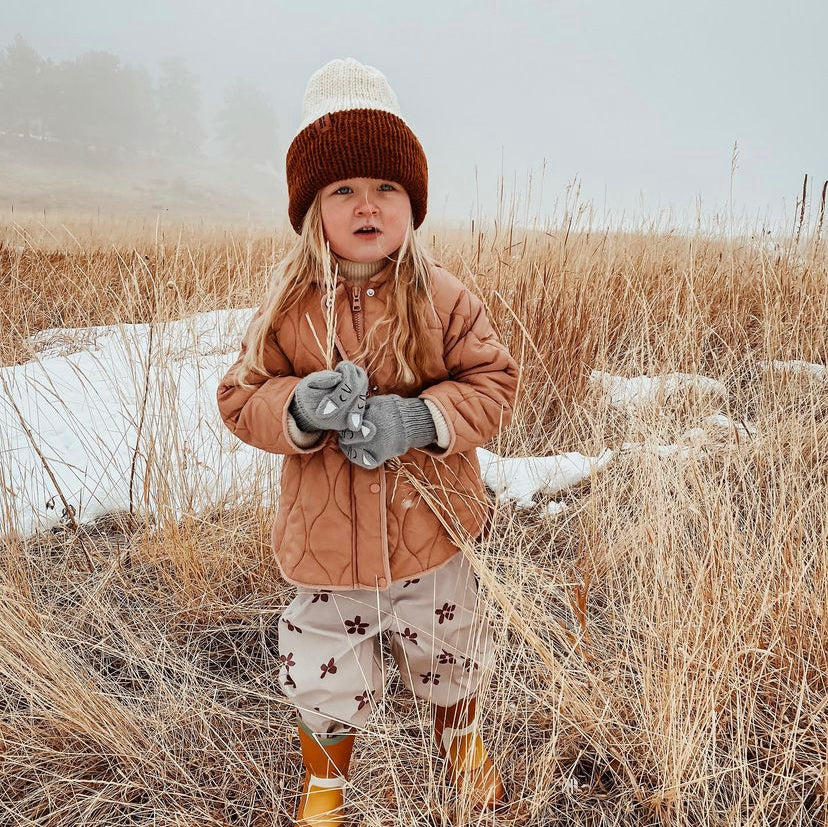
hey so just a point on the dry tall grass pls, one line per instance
(676, 672)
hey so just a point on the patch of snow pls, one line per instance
(695, 437)
(82, 400)
(796, 366)
(518, 479)
(720, 420)
(639, 390)
(554, 508)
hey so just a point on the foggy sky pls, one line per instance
(641, 101)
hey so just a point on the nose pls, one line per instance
(366, 207)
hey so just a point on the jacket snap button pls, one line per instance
(375, 487)
(381, 582)
(369, 291)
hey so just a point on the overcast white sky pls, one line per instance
(641, 101)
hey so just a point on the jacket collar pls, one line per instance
(376, 280)
(359, 272)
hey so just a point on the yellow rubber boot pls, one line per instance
(326, 760)
(470, 767)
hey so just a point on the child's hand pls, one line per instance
(331, 399)
(391, 426)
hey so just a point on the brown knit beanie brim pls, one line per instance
(355, 143)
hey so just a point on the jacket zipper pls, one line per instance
(356, 310)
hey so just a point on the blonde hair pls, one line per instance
(308, 265)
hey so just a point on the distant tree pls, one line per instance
(246, 124)
(145, 121)
(97, 101)
(179, 106)
(21, 88)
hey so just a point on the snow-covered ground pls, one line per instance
(102, 412)
(638, 390)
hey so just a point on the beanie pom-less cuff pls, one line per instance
(355, 143)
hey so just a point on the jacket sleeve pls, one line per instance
(476, 401)
(260, 416)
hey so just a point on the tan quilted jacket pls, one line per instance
(339, 526)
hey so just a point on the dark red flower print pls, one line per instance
(356, 625)
(289, 680)
(291, 626)
(447, 612)
(323, 596)
(287, 660)
(470, 664)
(434, 677)
(327, 669)
(409, 635)
(362, 699)
(446, 657)
(409, 582)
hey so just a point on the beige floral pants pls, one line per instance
(330, 654)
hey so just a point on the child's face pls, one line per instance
(352, 203)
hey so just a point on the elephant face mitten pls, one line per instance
(391, 425)
(330, 400)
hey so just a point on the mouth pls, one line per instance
(368, 232)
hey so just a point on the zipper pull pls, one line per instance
(356, 299)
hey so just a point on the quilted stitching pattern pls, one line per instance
(472, 382)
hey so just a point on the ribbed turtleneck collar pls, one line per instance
(357, 272)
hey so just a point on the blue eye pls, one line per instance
(346, 187)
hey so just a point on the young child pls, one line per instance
(419, 375)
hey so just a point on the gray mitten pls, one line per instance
(330, 399)
(390, 426)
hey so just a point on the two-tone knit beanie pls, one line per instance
(352, 128)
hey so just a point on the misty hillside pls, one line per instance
(38, 175)
(96, 134)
